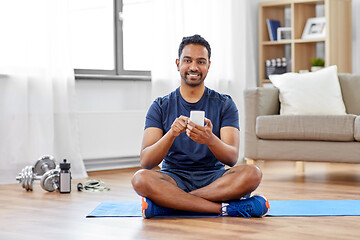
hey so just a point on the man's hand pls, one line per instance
(225, 148)
(179, 125)
(199, 134)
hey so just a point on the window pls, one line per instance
(110, 38)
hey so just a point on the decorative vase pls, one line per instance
(316, 68)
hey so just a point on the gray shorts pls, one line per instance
(192, 180)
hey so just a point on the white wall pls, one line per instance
(112, 96)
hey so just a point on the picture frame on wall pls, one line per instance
(314, 28)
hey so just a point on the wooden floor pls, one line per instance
(43, 215)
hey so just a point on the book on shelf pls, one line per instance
(272, 26)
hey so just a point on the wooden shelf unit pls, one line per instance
(337, 43)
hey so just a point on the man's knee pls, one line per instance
(140, 180)
(250, 174)
(254, 174)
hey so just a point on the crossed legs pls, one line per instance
(163, 191)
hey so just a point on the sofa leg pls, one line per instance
(300, 167)
(250, 161)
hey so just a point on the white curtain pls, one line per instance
(37, 92)
(226, 25)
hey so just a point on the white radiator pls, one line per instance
(111, 140)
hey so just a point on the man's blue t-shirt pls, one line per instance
(185, 153)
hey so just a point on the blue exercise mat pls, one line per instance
(278, 208)
(313, 208)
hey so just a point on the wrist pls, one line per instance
(212, 140)
(172, 134)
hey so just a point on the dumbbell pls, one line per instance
(44, 170)
(26, 178)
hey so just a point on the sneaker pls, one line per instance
(256, 206)
(150, 209)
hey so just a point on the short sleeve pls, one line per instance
(230, 114)
(154, 115)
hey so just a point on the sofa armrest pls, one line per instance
(257, 102)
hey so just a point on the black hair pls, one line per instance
(195, 39)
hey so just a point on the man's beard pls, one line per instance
(191, 83)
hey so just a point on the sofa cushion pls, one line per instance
(306, 127)
(350, 88)
(314, 93)
(357, 129)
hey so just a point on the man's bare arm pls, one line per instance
(155, 145)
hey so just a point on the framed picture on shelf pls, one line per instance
(283, 33)
(314, 28)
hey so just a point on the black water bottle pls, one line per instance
(65, 177)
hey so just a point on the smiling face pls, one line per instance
(193, 64)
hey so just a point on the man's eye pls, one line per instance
(187, 61)
(201, 62)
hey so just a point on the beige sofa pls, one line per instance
(321, 138)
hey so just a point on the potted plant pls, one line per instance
(317, 64)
